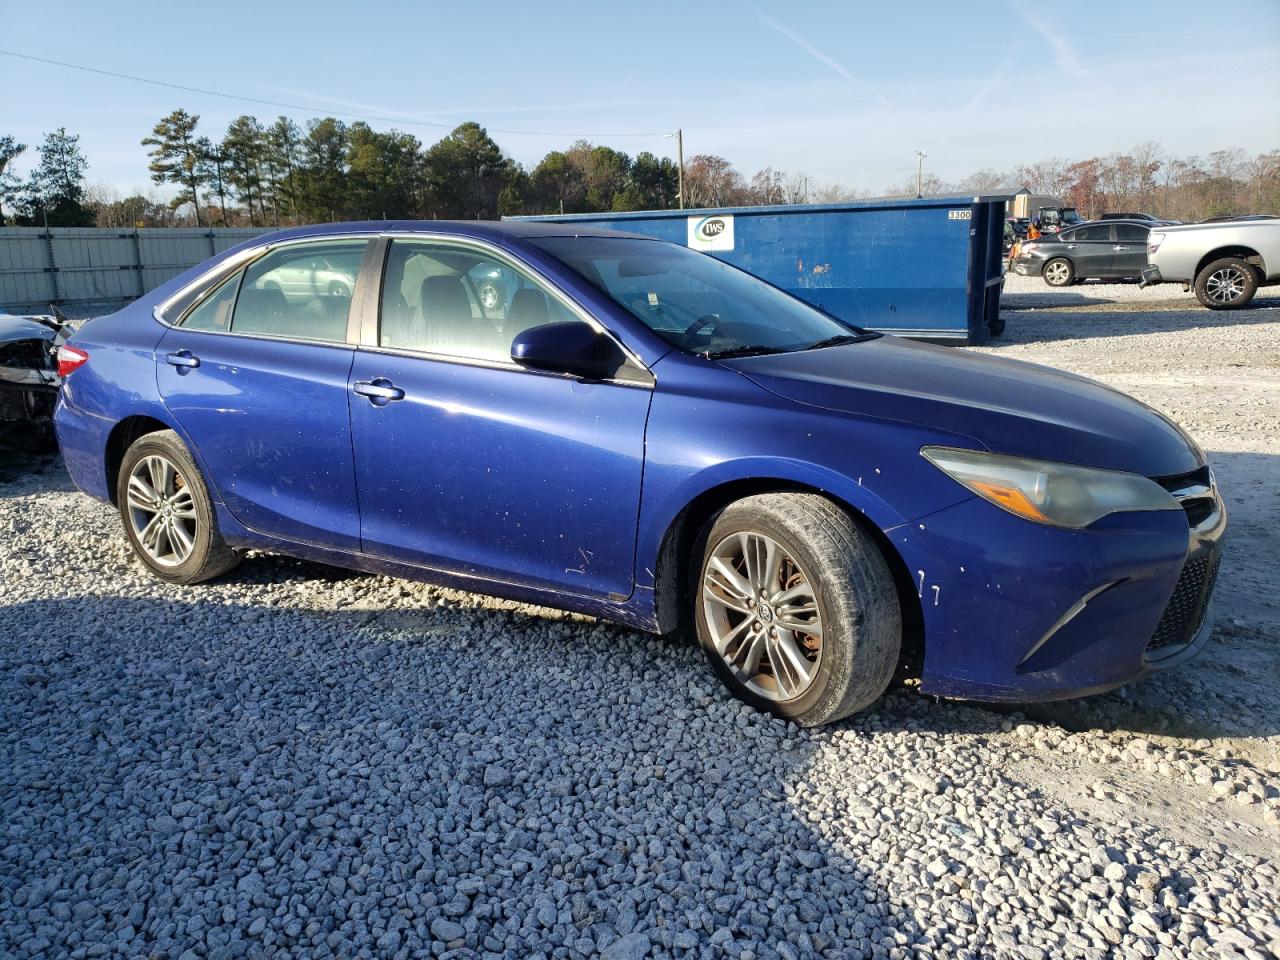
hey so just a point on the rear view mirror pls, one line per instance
(572, 347)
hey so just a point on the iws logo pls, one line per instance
(711, 233)
(710, 228)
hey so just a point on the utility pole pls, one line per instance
(920, 155)
(679, 135)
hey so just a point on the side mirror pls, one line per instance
(572, 347)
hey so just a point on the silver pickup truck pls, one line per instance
(1225, 262)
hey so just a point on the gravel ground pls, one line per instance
(297, 761)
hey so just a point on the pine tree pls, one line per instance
(284, 140)
(55, 189)
(175, 158)
(213, 171)
(244, 147)
(10, 188)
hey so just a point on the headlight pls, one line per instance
(1060, 494)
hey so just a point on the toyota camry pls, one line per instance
(627, 428)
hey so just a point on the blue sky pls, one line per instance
(845, 92)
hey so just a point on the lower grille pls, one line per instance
(1185, 613)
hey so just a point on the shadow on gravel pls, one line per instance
(1046, 325)
(1049, 299)
(225, 777)
(19, 465)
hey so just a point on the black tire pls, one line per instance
(996, 327)
(1227, 284)
(1061, 278)
(210, 555)
(861, 636)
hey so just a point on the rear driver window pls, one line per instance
(302, 292)
(1100, 232)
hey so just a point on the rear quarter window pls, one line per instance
(214, 313)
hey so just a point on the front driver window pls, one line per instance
(301, 291)
(459, 302)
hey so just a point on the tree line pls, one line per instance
(280, 173)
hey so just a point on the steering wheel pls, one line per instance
(706, 320)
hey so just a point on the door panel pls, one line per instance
(1129, 250)
(270, 421)
(1090, 251)
(499, 472)
(256, 375)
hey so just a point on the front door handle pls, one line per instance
(379, 390)
(1071, 246)
(182, 358)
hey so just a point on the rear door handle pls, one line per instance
(1120, 249)
(380, 391)
(183, 358)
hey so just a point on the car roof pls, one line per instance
(492, 230)
(1108, 223)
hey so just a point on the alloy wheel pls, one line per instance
(762, 613)
(1225, 286)
(1056, 273)
(162, 511)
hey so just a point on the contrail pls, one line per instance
(1064, 54)
(994, 81)
(821, 57)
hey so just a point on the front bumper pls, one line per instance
(1150, 276)
(1030, 613)
(1028, 266)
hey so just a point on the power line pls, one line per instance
(437, 124)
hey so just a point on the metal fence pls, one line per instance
(97, 269)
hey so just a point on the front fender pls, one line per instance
(710, 429)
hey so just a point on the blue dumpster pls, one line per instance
(929, 269)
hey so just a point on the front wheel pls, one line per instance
(1059, 272)
(1226, 284)
(796, 608)
(168, 516)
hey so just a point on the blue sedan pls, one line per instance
(623, 427)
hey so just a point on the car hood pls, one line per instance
(1008, 406)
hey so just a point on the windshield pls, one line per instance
(696, 302)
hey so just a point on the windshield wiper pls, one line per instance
(842, 338)
(755, 350)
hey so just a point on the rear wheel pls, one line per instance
(1059, 272)
(796, 608)
(1226, 284)
(167, 514)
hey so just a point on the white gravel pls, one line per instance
(302, 762)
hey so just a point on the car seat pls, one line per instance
(448, 323)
